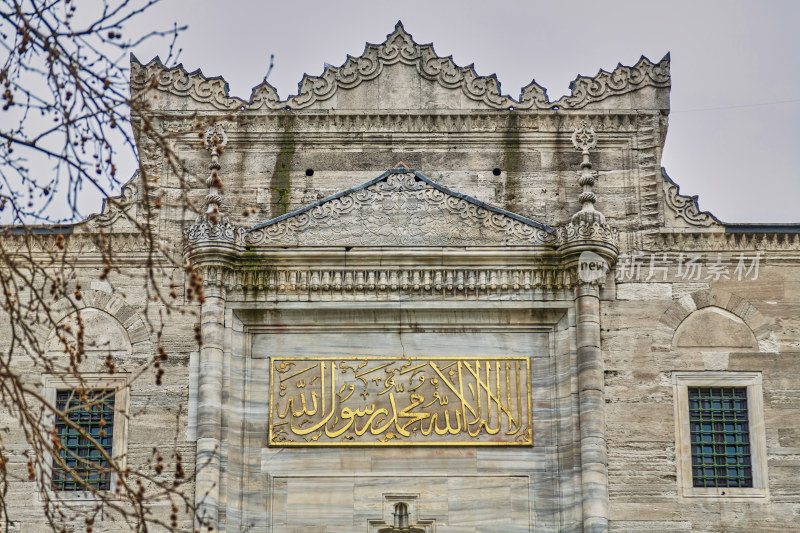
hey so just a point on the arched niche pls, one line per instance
(110, 326)
(700, 320)
(102, 334)
(714, 328)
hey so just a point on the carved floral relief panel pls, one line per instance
(401, 208)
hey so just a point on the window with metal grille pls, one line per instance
(78, 464)
(720, 437)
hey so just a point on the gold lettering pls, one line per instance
(421, 383)
(349, 387)
(416, 400)
(324, 421)
(490, 401)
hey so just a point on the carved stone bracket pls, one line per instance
(399, 47)
(589, 251)
(685, 207)
(114, 208)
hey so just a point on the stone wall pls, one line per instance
(749, 327)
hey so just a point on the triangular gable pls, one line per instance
(400, 208)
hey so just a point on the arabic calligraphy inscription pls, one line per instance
(412, 401)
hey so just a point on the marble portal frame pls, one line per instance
(550, 463)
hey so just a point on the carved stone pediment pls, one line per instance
(401, 208)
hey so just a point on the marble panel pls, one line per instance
(454, 503)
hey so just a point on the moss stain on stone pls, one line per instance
(512, 164)
(280, 184)
(256, 264)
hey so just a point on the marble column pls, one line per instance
(594, 469)
(209, 409)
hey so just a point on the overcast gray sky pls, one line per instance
(734, 129)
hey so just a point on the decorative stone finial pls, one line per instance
(216, 139)
(212, 228)
(588, 244)
(584, 139)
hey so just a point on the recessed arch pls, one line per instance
(101, 333)
(714, 328)
(738, 308)
(113, 305)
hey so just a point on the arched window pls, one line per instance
(401, 515)
(401, 521)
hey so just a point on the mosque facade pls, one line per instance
(430, 307)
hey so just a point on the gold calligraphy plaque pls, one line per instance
(415, 401)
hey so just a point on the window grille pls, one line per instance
(94, 414)
(720, 437)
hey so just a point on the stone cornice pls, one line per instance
(453, 271)
(25, 244)
(719, 241)
(382, 282)
(419, 123)
(399, 47)
(223, 231)
(398, 257)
